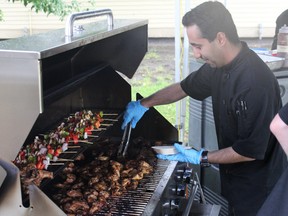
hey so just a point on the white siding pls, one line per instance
(248, 15)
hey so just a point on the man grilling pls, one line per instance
(245, 97)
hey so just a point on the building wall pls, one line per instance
(253, 18)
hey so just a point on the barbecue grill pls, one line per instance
(46, 79)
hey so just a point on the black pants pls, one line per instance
(231, 211)
(276, 203)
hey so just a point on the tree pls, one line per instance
(60, 8)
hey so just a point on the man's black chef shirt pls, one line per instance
(283, 113)
(245, 98)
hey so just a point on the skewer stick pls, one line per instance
(81, 141)
(69, 152)
(98, 129)
(113, 114)
(110, 119)
(106, 124)
(56, 164)
(64, 159)
(70, 146)
(93, 136)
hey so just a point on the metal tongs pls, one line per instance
(125, 141)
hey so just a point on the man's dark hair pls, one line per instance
(211, 18)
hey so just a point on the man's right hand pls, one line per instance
(134, 112)
(184, 155)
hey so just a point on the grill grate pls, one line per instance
(135, 202)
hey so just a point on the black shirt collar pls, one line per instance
(243, 52)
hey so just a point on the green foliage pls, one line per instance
(60, 8)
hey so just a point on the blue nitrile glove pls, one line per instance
(184, 155)
(134, 112)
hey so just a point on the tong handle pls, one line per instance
(125, 140)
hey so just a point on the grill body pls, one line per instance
(46, 77)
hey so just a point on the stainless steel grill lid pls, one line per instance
(26, 64)
(32, 67)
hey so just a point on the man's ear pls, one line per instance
(221, 38)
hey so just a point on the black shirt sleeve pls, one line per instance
(283, 113)
(197, 85)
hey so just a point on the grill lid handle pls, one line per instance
(87, 14)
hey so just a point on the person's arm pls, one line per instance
(280, 129)
(167, 95)
(136, 109)
(225, 156)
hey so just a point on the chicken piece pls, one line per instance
(117, 192)
(133, 185)
(96, 206)
(27, 170)
(100, 186)
(145, 168)
(144, 164)
(114, 177)
(31, 174)
(65, 200)
(40, 175)
(45, 174)
(70, 178)
(103, 195)
(96, 170)
(71, 164)
(76, 206)
(116, 165)
(103, 158)
(85, 173)
(125, 172)
(74, 193)
(70, 168)
(116, 189)
(60, 185)
(91, 196)
(126, 182)
(94, 180)
(80, 157)
(79, 185)
(66, 208)
(131, 164)
(138, 176)
(57, 197)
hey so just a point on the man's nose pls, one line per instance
(196, 54)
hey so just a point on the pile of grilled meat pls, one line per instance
(84, 185)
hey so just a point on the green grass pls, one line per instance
(152, 54)
(149, 87)
(153, 79)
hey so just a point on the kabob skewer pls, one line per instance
(76, 129)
